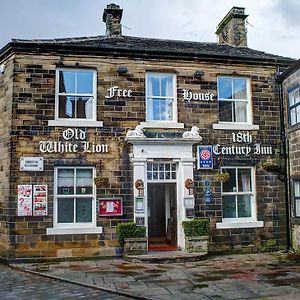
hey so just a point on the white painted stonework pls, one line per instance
(177, 150)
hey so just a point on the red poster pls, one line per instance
(110, 207)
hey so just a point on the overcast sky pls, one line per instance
(274, 25)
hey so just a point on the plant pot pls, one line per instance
(196, 244)
(222, 177)
(135, 246)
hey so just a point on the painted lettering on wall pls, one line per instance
(246, 149)
(189, 96)
(79, 145)
(116, 91)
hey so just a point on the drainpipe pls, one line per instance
(286, 160)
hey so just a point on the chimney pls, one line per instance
(112, 16)
(232, 29)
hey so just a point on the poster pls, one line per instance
(24, 200)
(40, 200)
(110, 207)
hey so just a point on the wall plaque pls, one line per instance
(31, 163)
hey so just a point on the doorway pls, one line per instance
(162, 216)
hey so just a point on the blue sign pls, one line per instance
(207, 192)
(205, 157)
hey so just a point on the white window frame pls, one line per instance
(91, 122)
(174, 107)
(75, 227)
(294, 107)
(242, 222)
(296, 198)
(248, 125)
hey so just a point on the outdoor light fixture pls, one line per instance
(199, 74)
(122, 70)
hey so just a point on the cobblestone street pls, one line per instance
(16, 284)
(266, 276)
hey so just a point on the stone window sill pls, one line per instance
(92, 230)
(249, 224)
(162, 125)
(75, 123)
(235, 126)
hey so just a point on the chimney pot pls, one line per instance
(112, 16)
(232, 29)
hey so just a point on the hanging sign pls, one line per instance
(204, 157)
(24, 200)
(31, 164)
(110, 207)
(40, 200)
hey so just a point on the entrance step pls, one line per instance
(162, 257)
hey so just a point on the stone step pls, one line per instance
(162, 257)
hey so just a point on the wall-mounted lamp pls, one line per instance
(2, 69)
(199, 74)
(122, 70)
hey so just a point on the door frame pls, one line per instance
(179, 151)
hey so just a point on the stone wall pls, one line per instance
(6, 213)
(33, 106)
(293, 150)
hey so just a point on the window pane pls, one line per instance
(297, 96)
(225, 111)
(225, 88)
(166, 85)
(160, 109)
(65, 210)
(230, 185)
(85, 82)
(84, 108)
(291, 98)
(297, 113)
(293, 116)
(65, 182)
(84, 210)
(153, 85)
(239, 88)
(229, 206)
(66, 82)
(297, 188)
(84, 181)
(66, 107)
(297, 207)
(244, 206)
(240, 112)
(244, 180)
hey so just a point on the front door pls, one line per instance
(162, 214)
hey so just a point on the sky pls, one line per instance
(273, 25)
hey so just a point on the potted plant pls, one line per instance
(196, 233)
(133, 238)
(222, 176)
(271, 165)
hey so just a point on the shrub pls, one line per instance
(196, 227)
(130, 230)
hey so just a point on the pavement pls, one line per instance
(248, 276)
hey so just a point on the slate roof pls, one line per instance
(145, 46)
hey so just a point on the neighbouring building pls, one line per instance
(290, 84)
(105, 129)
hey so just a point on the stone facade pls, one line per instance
(290, 80)
(28, 100)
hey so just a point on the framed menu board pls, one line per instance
(24, 200)
(110, 207)
(40, 200)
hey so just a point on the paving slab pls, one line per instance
(250, 276)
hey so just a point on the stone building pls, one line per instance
(289, 83)
(105, 129)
